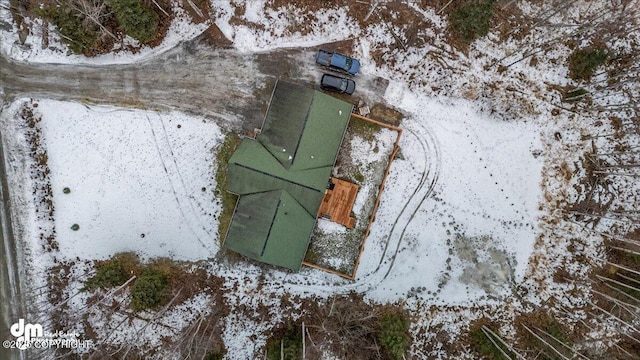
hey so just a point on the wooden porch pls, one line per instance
(338, 201)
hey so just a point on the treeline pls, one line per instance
(91, 27)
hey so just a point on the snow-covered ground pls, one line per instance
(181, 29)
(327, 26)
(138, 181)
(487, 185)
(468, 204)
(149, 182)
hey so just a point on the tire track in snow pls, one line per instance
(430, 150)
(434, 170)
(175, 187)
(182, 182)
(423, 179)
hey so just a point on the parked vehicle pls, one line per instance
(338, 84)
(338, 62)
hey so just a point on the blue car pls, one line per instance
(338, 62)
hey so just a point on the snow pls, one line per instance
(470, 202)
(325, 26)
(181, 29)
(366, 152)
(136, 181)
(330, 227)
(487, 185)
(252, 11)
(239, 328)
(24, 212)
(140, 333)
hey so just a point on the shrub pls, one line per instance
(483, 345)
(574, 94)
(214, 356)
(358, 177)
(584, 62)
(109, 274)
(472, 20)
(394, 334)
(149, 290)
(134, 19)
(224, 152)
(291, 345)
(75, 227)
(76, 31)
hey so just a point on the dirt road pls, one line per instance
(12, 305)
(231, 87)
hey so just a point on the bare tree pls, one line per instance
(92, 11)
(545, 342)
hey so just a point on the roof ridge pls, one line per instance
(304, 126)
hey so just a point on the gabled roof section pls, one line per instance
(290, 234)
(253, 169)
(269, 226)
(304, 128)
(253, 217)
(285, 121)
(325, 126)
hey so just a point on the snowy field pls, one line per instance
(469, 204)
(133, 173)
(477, 176)
(138, 181)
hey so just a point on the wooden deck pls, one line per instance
(338, 203)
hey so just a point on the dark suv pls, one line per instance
(337, 84)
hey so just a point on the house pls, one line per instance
(282, 175)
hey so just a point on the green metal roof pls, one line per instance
(303, 128)
(285, 121)
(281, 178)
(253, 217)
(290, 234)
(252, 169)
(269, 226)
(325, 126)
